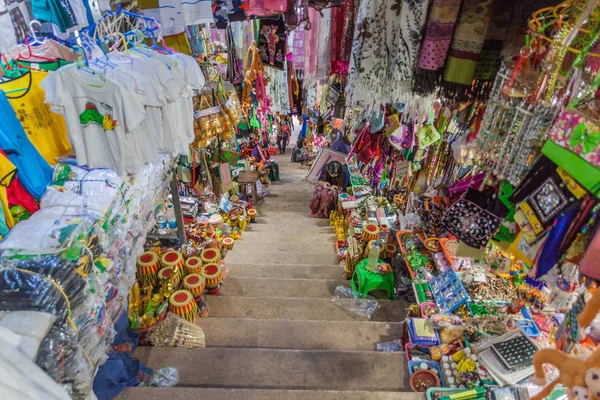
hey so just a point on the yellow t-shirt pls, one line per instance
(45, 129)
(7, 173)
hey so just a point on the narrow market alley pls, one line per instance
(274, 332)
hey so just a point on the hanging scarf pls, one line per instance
(406, 25)
(324, 50)
(277, 89)
(235, 68)
(490, 57)
(298, 58)
(311, 47)
(438, 37)
(376, 74)
(342, 28)
(466, 46)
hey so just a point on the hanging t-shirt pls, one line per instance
(18, 195)
(44, 128)
(99, 114)
(34, 172)
(52, 11)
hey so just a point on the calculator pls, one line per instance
(515, 353)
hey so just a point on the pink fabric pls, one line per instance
(298, 47)
(279, 6)
(312, 43)
(562, 130)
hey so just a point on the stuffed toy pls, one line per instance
(581, 377)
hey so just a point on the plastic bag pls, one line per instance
(345, 298)
(165, 377)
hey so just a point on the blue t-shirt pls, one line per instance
(33, 171)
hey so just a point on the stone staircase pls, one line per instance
(274, 333)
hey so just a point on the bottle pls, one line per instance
(171, 220)
(373, 258)
(161, 221)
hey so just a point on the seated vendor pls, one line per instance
(262, 156)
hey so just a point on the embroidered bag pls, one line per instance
(474, 218)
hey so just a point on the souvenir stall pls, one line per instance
(472, 193)
(120, 201)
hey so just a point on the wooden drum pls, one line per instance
(214, 275)
(167, 273)
(173, 259)
(195, 284)
(228, 243)
(210, 256)
(390, 250)
(370, 232)
(193, 265)
(147, 267)
(182, 303)
(252, 214)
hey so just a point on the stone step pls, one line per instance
(262, 257)
(299, 335)
(299, 308)
(281, 369)
(269, 207)
(190, 393)
(264, 287)
(272, 230)
(252, 242)
(300, 223)
(283, 271)
(292, 215)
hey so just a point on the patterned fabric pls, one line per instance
(299, 36)
(467, 44)
(438, 37)
(342, 27)
(277, 89)
(324, 50)
(574, 131)
(385, 49)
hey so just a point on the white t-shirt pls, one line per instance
(99, 115)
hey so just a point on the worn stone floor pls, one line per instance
(273, 332)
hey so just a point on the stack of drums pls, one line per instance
(228, 243)
(252, 214)
(195, 284)
(169, 273)
(214, 275)
(147, 267)
(182, 303)
(193, 265)
(370, 232)
(173, 259)
(210, 256)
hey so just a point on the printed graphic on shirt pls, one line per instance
(100, 115)
(39, 118)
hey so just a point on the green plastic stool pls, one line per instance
(368, 281)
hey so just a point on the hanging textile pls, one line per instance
(311, 44)
(377, 73)
(405, 35)
(342, 29)
(466, 46)
(490, 57)
(438, 37)
(277, 89)
(298, 58)
(271, 42)
(14, 20)
(324, 49)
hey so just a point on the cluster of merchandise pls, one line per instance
(67, 269)
(471, 189)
